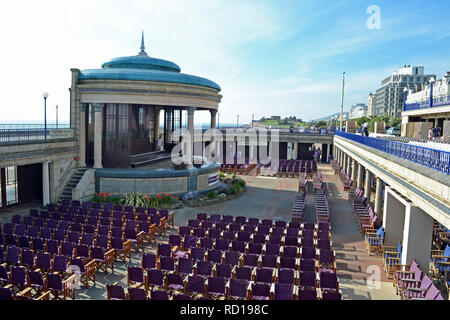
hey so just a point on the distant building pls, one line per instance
(275, 118)
(371, 105)
(357, 110)
(389, 98)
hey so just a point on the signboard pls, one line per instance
(213, 178)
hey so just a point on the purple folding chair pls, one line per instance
(73, 236)
(18, 277)
(253, 221)
(227, 219)
(243, 273)
(199, 232)
(264, 275)
(255, 248)
(206, 243)
(228, 235)
(38, 244)
(234, 227)
(60, 264)
(260, 291)
(283, 291)
(214, 218)
(174, 281)
(291, 251)
(307, 279)
(32, 231)
(198, 253)
(250, 260)
(24, 242)
(102, 241)
(232, 257)
(155, 278)
(67, 248)
(417, 292)
(12, 255)
(148, 261)
(328, 281)
(223, 270)
(237, 289)
(36, 281)
(307, 294)
(185, 265)
(241, 220)
(331, 295)
(267, 222)
(280, 224)
(135, 275)
(238, 246)
(269, 260)
(20, 230)
(244, 236)
(43, 261)
(201, 216)
(4, 277)
(288, 263)
(215, 286)
(203, 268)
(307, 265)
(195, 285)
(137, 294)
(115, 292)
(214, 256)
(286, 276)
(53, 246)
(222, 244)
(27, 258)
(264, 229)
(167, 263)
(193, 223)
(249, 228)
(16, 219)
(277, 232)
(189, 242)
(292, 232)
(213, 233)
(87, 239)
(164, 249)
(327, 259)
(272, 249)
(307, 253)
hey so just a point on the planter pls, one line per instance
(208, 202)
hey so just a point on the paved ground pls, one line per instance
(272, 197)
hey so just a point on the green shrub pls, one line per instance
(211, 195)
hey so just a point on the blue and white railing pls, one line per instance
(431, 158)
(437, 102)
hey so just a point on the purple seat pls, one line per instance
(238, 246)
(259, 238)
(184, 231)
(255, 248)
(201, 216)
(307, 265)
(273, 249)
(18, 277)
(323, 244)
(331, 295)
(167, 263)
(214, 217)
(148, 261)
(27, 258)
(206, 243)
(78, 226)
(89, 229)
(267, 222)
(292, 232)
(234, 227)
(196, 284)
(241, 220)
(269, 260)
(20, 230)
(244, 273)
(286, 276)
(60, 264)
(16, 219)
(251, 260)
(175, 281)
(155, 278)
(88, 239)
(24, 242)
(36, 280)
(260, 291)
(283, 291)
(137, 294)
(204, 268)
(67, 248)
(32, 231)
(199, 232)
(185, 265)
(307, 279)
(308, 226)
(307, 294)
(83, 252)
(280, 224)
(228, 235)
(223, 270)
(288, 262)
(328, 281)
(189, 242)
(216, 286)
(193, 223)
(278, 232)
(215, 256)
(264, 229)
(164, 249)
(53, 246)
(253, 221)
(227, 219)
(135, 275)
(38, 244)
(222, 244)
(249, 228)
(238, 289)
(198, 253)
(102, 241)
(4, 277)
(244, 236)
(417, 292)
(11, 240)
(232, 257)
(222, 226)
(214, 233)
(326, 258)
(181, 297)
(43, 261)
(73, 236)
(264, 275)
(115, 292)
(307, 233)
(291, 251)
(308, 253)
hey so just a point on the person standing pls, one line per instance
(366, 129)
(430, 133)
(160, 143)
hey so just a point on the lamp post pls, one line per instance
(237, 123)
(342, 100)
(45, 95)
(405, 92)
(253, 117)
(432, 80)
(56, 116)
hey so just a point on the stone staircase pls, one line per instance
(73, 182)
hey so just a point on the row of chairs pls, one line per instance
(322, 207)
(298, 206)
(302, 182)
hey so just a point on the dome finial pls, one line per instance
(142, 53)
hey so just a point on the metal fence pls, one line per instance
(35, 134)
(50, 126)
(431, 158)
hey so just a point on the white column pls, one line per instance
(213, 118)
(393, 218)
(360, 176)
(157, 125)
(190, 112)
(82, 155)
(328, 151)
(98, 128)
(354, 171)
(417, 237)
(379, 197)
(367, 185)
(169, 126)
(45, 183)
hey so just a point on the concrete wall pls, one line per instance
(85, 189)
(380, 127)
(61, 172)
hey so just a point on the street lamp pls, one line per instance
(237, 123)
(342, 101)
(432, 81)
(56, 116)
(45, 95)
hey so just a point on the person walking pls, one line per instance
(366, 129)
(160, 143)
(430, 133)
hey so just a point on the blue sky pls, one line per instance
(270, 57)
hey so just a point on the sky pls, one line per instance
(269, 57)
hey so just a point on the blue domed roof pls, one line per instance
(144, 68)
(141, 62)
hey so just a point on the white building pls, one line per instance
(371, 105)
(389, 98)
(357, 110)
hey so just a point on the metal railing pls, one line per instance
(437, 102)
(11, 126)
(431, 158)
(35, 134)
